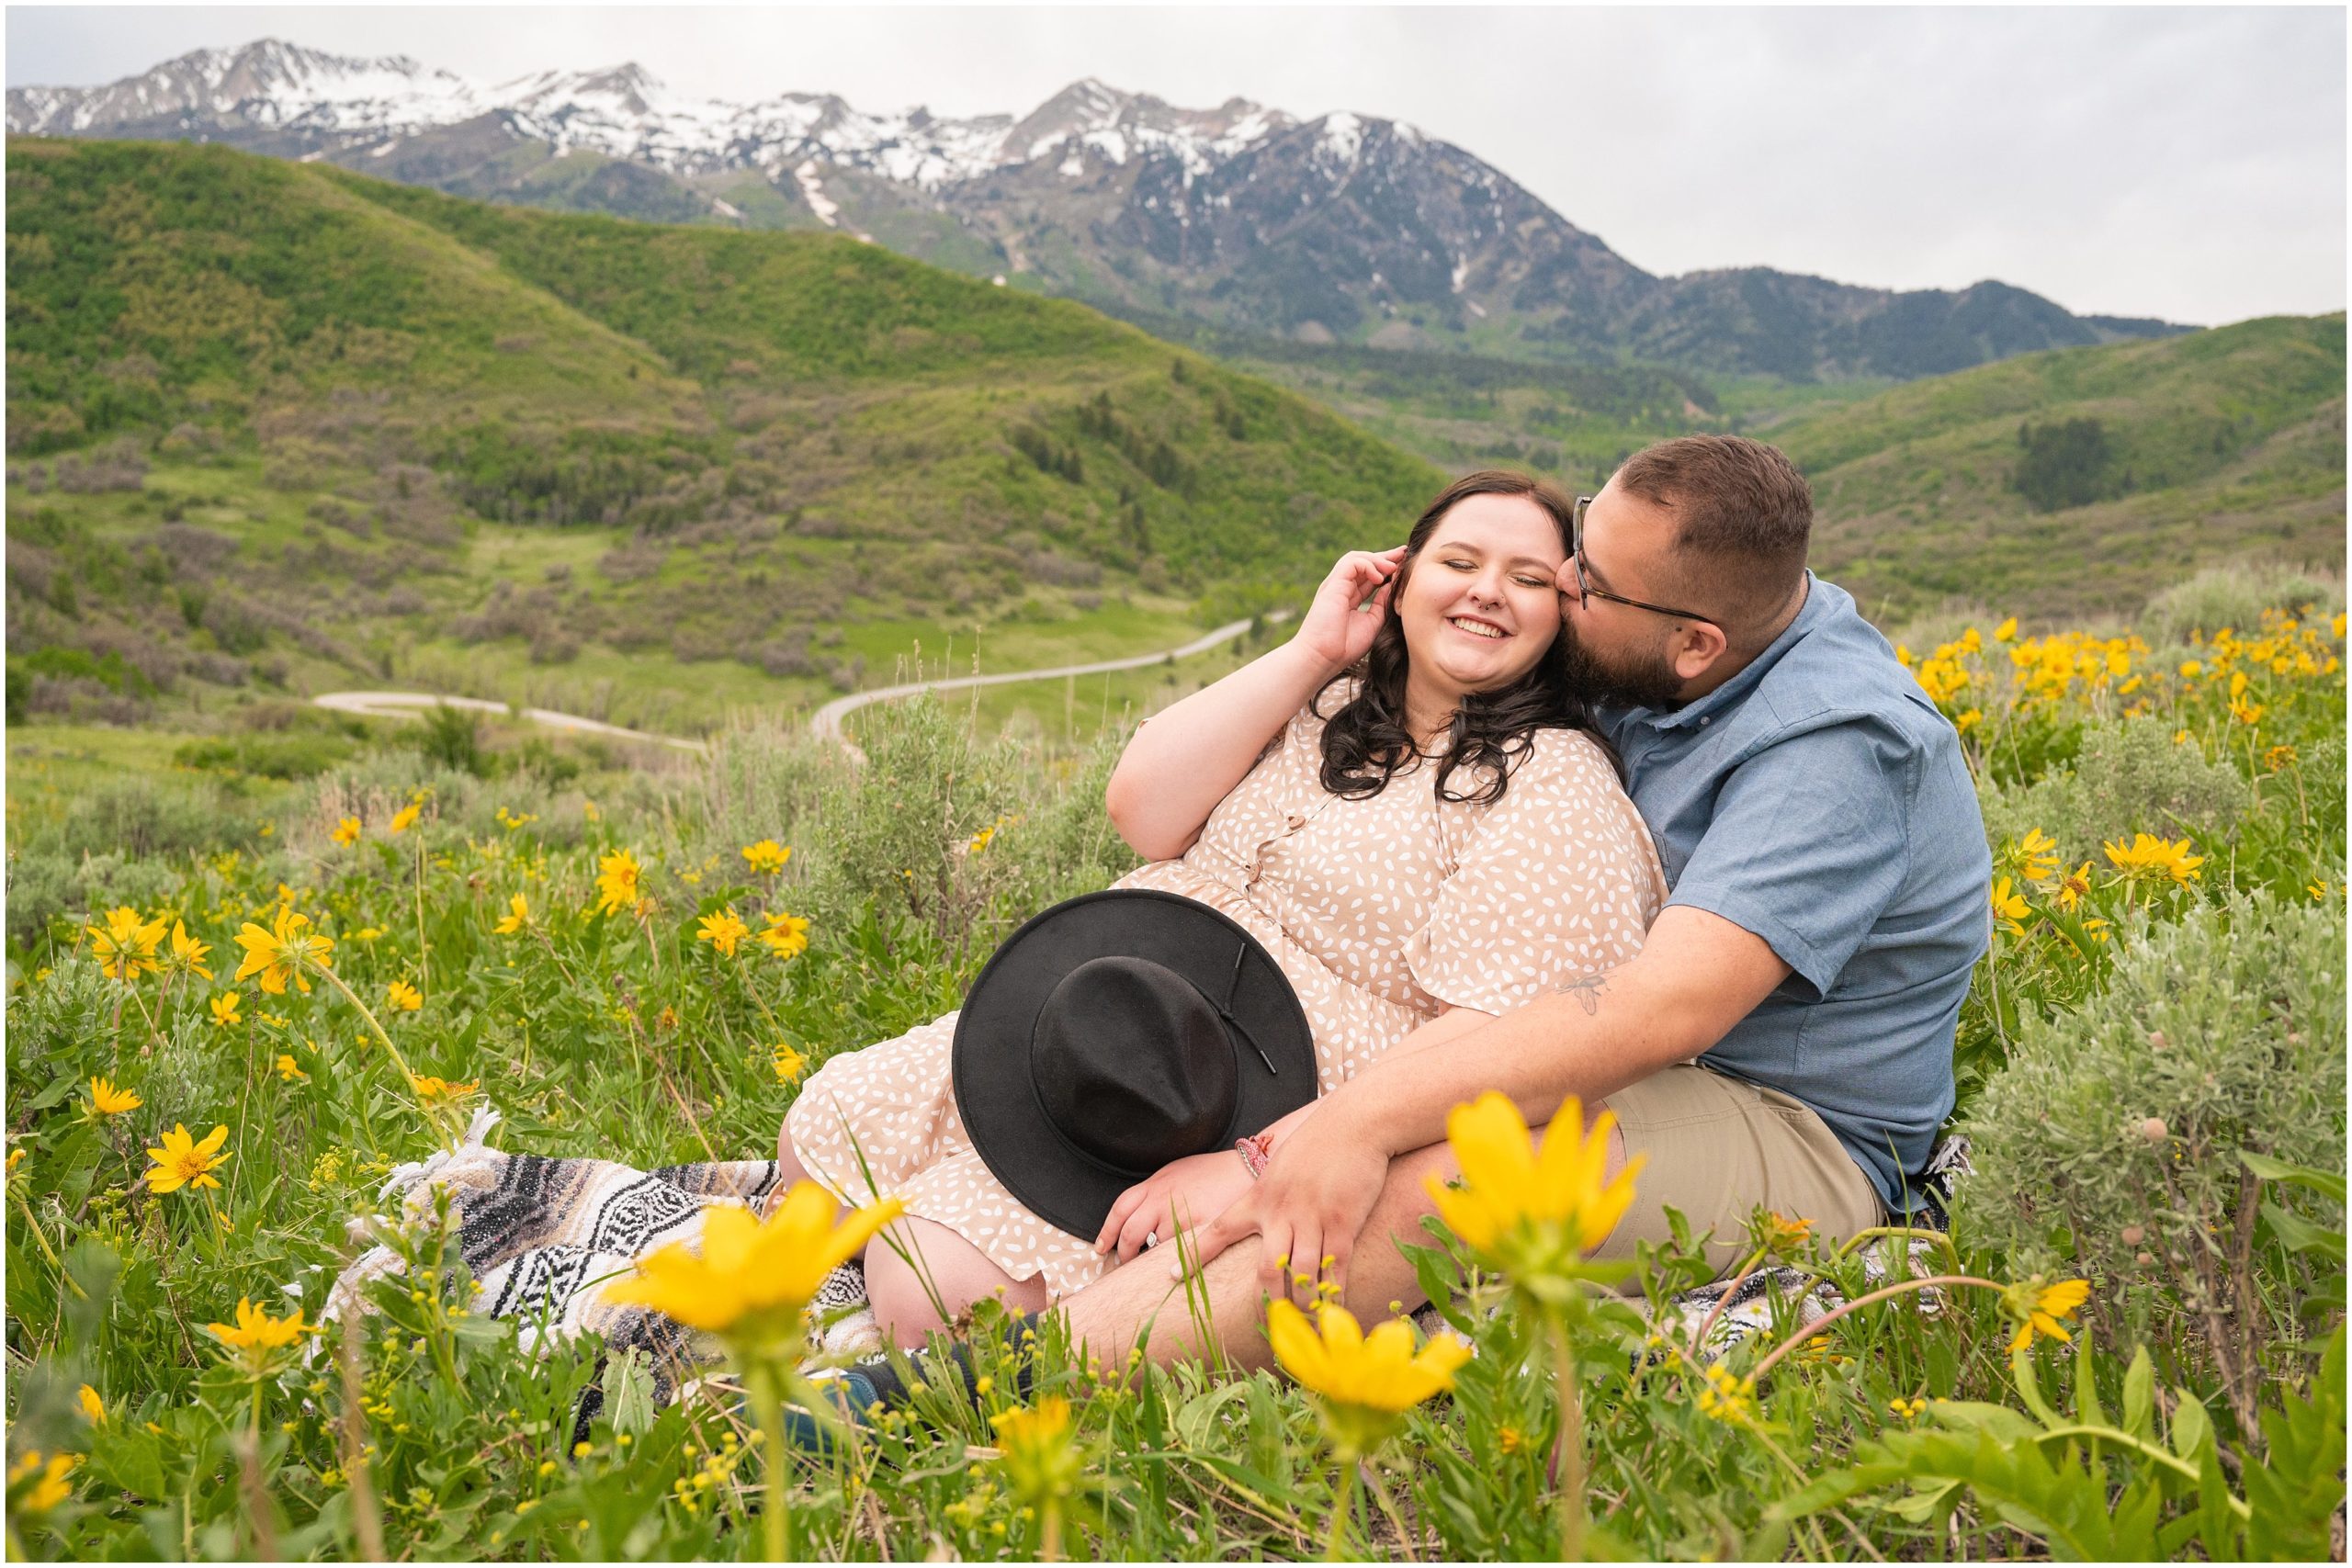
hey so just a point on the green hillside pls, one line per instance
(275, 421)
(2221, 445)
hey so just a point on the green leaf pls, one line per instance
(2192, 1428)
(2299, 1234)
(2328, 1184)
(2140, 1396)
(2004, 1423)
(2087, 1405)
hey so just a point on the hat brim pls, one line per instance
(1008, 1128)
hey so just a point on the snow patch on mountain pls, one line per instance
(813, 191)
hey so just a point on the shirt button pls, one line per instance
(1705, 719)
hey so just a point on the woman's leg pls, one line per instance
(960, 1271)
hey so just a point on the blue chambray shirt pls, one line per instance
(1819, 800)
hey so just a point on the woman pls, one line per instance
(1404, 804)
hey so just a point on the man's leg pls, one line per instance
(1109, 1314)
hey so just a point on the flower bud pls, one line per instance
(2135, 1235)
(2145, 1259)
(2154, 1130)
(2156, 1040)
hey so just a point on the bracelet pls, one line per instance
(1254, 1151)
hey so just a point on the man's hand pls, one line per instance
(1179, 1196)
(1317, 1192)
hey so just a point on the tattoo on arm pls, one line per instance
(1587, 990)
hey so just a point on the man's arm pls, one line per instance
(1697, 975)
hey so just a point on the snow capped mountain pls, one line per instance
(627, 112)
(1345, 228)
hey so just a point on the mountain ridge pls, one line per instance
(1346, 228)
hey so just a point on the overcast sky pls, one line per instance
(2180, 162)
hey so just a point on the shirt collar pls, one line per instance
(1732, 691)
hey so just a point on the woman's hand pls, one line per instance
(1339, 625)
(1181, 1194)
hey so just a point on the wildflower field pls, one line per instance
(224, 1037)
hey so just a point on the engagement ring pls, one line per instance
(1151, 1240)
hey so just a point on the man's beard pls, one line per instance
(1646, 682)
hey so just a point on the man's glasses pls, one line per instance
(1584, 578)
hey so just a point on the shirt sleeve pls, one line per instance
(1557, 880)
(1808, 843)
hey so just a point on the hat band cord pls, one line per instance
(1224, 1011)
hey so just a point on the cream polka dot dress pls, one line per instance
(1384, 912)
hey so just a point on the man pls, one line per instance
(1784, 1037)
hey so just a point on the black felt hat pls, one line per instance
(1115, 1032)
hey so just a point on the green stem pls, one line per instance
(776, 1516)
(408, 1079)
(1571, 1446)
(2030, 1385)
(1343, 1497)
(42, 1237)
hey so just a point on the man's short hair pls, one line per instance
(1743, 517)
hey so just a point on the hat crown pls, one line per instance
(1132, 1065)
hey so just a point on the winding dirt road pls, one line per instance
(825, 726)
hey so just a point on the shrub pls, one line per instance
(2130, 776)
(2113, 1139)
(453, 738)
(2234, 595)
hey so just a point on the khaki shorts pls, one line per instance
(1717, 1149)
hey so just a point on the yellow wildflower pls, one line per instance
(183, 1162)
(187, 954)
(346, 831)
(1728, 1398)
(258, 1339)
(789, 1063)
(288, 1071)
(2150, 857)
(1532, 1215)
(723, 931)
(518, 916)
(276, 955)
(53, 1488)
(784, 935)
(2246, 713)
(2010, 909)
(2005, 630)
(92, 1405)
(1363, 1383)
(2036, 856)
(1967, 719)
(616, 876)
(403, 996)
(435, 1091)
(126, 949)
(2278, 758)
(405, 818)
(2192, 668)
(107, 1100)
(2071, 891)
(767, 855)
(2039, 1308)
(1038, 1458)
(224, 1008)
(753, 1279)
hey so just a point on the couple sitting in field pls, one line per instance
(1605, 798)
